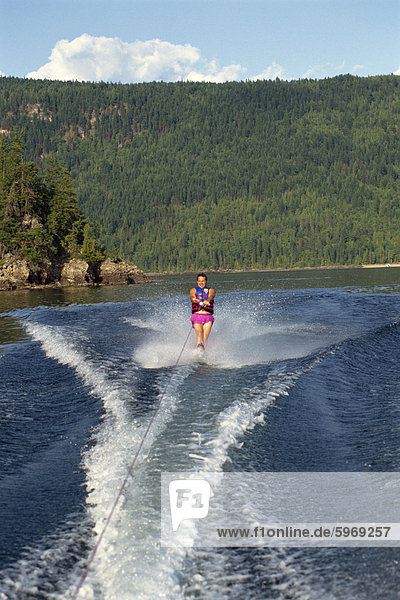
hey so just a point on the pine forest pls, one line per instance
(189, 176)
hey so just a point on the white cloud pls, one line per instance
(312, 73)
(325, 70)
(230, 73)
(89, 58)
(2, 74)
(397, 72)
(271, 72)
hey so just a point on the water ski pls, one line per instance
(200, 350)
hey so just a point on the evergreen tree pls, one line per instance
(39, 216)
(65, 220)
(91, 252)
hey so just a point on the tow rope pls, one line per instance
(128, 474)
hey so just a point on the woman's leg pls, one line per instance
(199, 333)
(206, 331)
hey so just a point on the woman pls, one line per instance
(202, 298)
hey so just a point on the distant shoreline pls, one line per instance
(278, 269)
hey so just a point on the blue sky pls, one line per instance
(214, 40)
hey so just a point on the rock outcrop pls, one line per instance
(75, 272)
(16, 274)
(120, 272)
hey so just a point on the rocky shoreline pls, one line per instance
(16, 274)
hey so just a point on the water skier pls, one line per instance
(202, 298)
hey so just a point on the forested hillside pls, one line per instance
(234, 175)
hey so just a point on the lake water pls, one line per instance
(301, 374)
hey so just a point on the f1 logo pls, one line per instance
(189, 499)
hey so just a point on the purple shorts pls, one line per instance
(201, 319)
